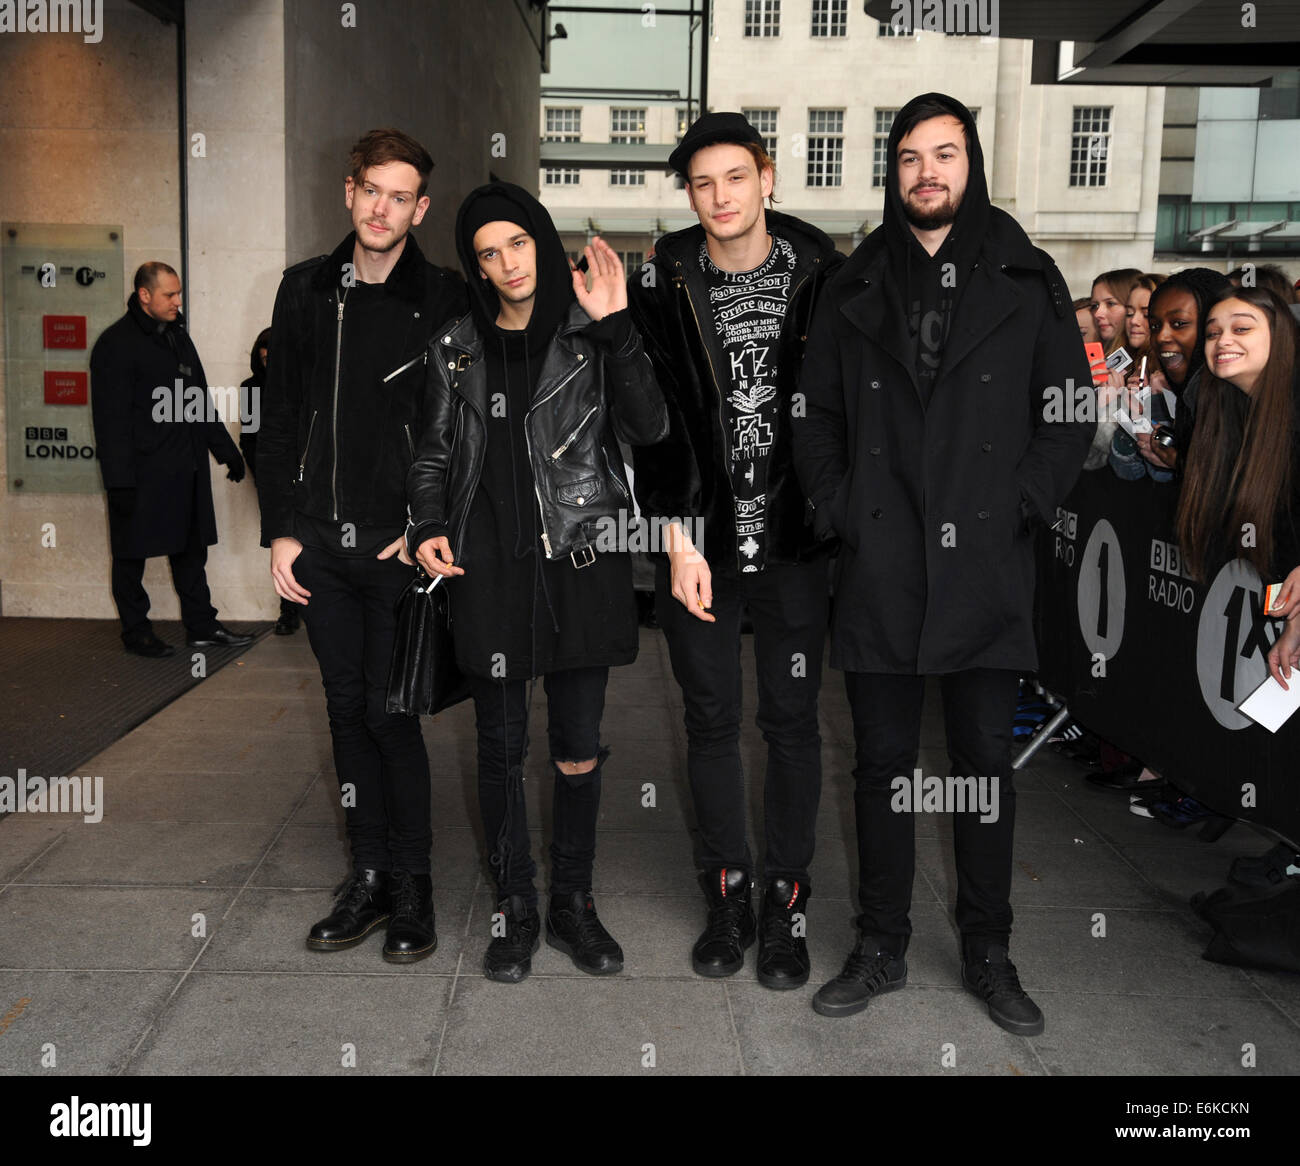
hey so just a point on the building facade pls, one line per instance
(1078, 167)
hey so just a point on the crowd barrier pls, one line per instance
(1156, 664)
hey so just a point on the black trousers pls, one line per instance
(978, 708)
(189, 577)
(788, 606)
(575, 702)
(379, 757)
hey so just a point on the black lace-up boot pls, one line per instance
(411, 933)
(509, 956)
(362, 904)
(720, 951)
(782, 949)
(991, 975)
(868, 972)
(573, 928)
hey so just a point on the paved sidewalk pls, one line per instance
(168, 938)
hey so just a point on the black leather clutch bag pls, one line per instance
(423, 677)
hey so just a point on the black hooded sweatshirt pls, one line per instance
(542, 615)
(928, 286)
(253, 384)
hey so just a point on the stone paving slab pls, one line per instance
(225, 806)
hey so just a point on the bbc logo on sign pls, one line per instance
(46, 433)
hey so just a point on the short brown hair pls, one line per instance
(146, 275)
(379, 147)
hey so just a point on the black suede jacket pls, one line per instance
(341, 398)
(685, 475)
(577, 469)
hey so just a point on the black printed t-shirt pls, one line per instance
(748, 309)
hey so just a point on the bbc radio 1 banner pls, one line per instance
(1157, 664)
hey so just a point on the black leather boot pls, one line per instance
(411, 934)
(720, 951)
(361, 906)
(572, 927)
(509, 956)
(782, 950)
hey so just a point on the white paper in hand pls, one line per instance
(1270, 704)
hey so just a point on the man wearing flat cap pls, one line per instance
(723, 307)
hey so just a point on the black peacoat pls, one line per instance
(152, 456)
(937, 505)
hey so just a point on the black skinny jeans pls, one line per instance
(575, 702)
(788, 606)
(350, 623)
(978, 708)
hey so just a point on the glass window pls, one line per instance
(627, 126)
(1090, 145)
(763, 120)
(562, 125)
(762, 17)
(825, 147)
(830, 17)
(880, 146)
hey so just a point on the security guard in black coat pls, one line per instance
(154, 427)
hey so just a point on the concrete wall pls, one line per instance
(87, 135)
(451, 74)
(236, 53)
(279, 90)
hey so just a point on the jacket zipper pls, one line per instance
(311, 425)
(568, 441)
(722, 423)
(459, 548)
(541, 510)
(409, 443)
(338, 356)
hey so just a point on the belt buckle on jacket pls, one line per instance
(587, 553)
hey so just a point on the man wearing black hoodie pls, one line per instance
(724, 308)
(251, 387)
(516, 467)
(926, 448)
(339, 409)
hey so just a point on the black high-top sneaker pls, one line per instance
(782, 949)
(572, 927)
(868, 972)
(720, 951)
(509, 956)
(411, 932)
(361, 906)
(991, 975)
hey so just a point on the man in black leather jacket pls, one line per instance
(516, 470)
(724, 309)
(341, 404)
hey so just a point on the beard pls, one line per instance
(931, 217)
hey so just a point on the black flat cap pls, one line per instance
(709, 130)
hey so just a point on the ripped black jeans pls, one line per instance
(575, 701)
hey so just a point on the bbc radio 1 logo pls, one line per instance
(1102, 592)
(1232, 642)
(50, 443)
